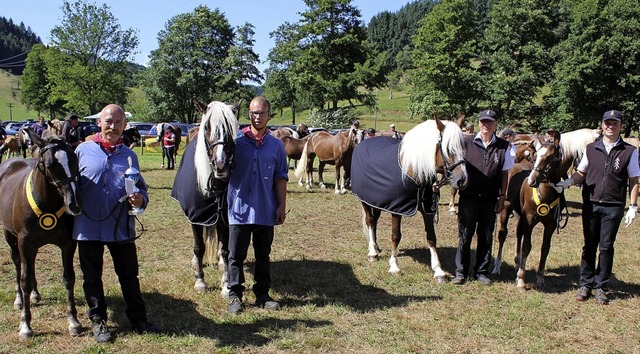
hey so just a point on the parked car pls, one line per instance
(184, 128)
(89, 128)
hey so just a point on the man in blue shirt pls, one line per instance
(107, 223)
(257, 201)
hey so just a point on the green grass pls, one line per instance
(333, 299)
(10, 93)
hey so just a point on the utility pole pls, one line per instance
(10, 105)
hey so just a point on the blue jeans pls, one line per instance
(600, 223)
(239, 240)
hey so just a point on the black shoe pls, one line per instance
(268, 303)
(483, 279)
(145, 326)
(583, 293)
(601, 297)
(458, 280)
(235, 305)
(100, 330)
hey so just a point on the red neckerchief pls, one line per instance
(105, 144)
(249, 134)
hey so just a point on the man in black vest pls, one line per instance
(608, 166)
(488, 160)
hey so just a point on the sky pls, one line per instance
(150, 16)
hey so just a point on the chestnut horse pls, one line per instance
(330, 149)
(38, 199)
(398, 177)
(531, 195)
(200, 186)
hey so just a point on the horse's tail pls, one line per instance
(210, 244)
(302, 166)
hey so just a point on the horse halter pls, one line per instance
(56, 182)
(448, 169)
(555, 161)
(229, 149)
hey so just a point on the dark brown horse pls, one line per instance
(398, 177)
(201, 183)
(531, 195)
(38, 198)
(161, 131)
(330, 149)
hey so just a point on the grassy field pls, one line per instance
(333, 299)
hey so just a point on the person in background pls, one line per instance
(256, 196)
(303, 130)
(370, 133)
(394, 132)
(488, 160)
(608, 167)
(106, 223)
(508, 134)
(469, 129)
(39, 126)
(72, 131)
(169, 141)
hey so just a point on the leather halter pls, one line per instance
(46, 221)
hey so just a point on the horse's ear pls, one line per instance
(199, 106)
(236, 106)
(556, 138)
(35, 138)
(461, 119)
(439, 123)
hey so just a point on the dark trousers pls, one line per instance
(475, 214)
(600, 223)
(170, 151)
(239, 239)
(125, 262)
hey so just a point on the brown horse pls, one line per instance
(161, 131)
(38, 199)
(10, 146)
(531, 195)
(330, 149)
(399, 177)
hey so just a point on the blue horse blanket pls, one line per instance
(377, 178)
(198, 208)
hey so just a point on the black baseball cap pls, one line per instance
(612, 114)
(488, 114)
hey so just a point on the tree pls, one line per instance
(90, 69)
(445, 80)
(333, 60)
(600, 65)
(516, 60)
(35, 84)
(199, 57)
(280, 82)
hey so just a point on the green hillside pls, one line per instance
(10, 92)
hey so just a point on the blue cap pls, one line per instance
(612, 114)
(488, 114)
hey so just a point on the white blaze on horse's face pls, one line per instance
(71, 195)
(220, 155)
(535, 173)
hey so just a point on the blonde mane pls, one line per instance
(575, 142)
(418, 149)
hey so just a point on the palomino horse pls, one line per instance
(10, 146)
(398, 177)
(200, 186)
(330, 149)
(532, 196)
(573, 145)
(161, 131)
(38, 199)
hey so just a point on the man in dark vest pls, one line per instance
(609, 165)
(488, 160)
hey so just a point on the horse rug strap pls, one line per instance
(198, 208)
(46, 221)
(377, 178)
(542, 208)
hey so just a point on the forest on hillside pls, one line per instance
(16, 41)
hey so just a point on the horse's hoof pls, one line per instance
(322, 186)
(35, 297)
(372, 258)
(25, 333)
(395, 271)
(75, 330)
(225, 292)
(441, 280)
(200, 286)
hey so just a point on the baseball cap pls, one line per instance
(612, 114)
(508, 132)
(488, 114)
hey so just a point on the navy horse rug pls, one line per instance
(377, 178)
(198, 208)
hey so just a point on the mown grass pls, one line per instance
(333, 299)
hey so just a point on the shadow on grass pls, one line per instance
(321, 283)
(178, 317)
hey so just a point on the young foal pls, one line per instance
(532, 196)
(38, 198)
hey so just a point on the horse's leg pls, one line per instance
(320, 172)
(396, 237)
(15, 257)
(27, 258)
(68, 249)
(452, 202)
(198, 255)
(164, 153)
(223, 238)
(502, 237)
(339, 189)
(544, 252)
(370, 224)
(438, 273)
(525, 249)
(310, 157)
